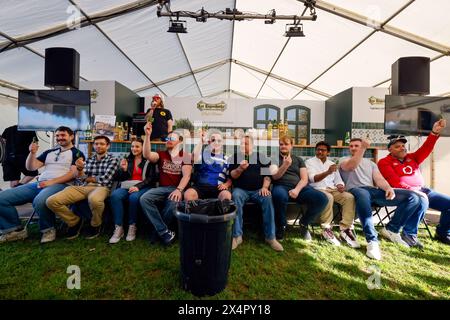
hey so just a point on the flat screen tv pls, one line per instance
(46, 110)
(415, 115)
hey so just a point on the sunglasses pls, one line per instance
(216, 140)
(170, 139)
(57, 155)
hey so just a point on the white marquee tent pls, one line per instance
(352, 43)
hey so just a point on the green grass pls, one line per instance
(139, 270)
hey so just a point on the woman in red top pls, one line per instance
(136, 176)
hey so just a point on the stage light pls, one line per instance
(177, 26)
(294, 30)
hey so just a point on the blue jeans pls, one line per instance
(440, 202)
(149, 201)
(408, 213)
(314, 199)
(240, 197)
(9, 218)
(118, 197)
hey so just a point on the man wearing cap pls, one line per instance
(402, 170)
(161, 119)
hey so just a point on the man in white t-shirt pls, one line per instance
(58, 170)
(324, 176)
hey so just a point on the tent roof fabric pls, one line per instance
(352, 43)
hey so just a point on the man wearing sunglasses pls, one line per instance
(175, 167)
(58, 171)
(402, 170)
(211, 175)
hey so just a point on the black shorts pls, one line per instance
(12, 169)
(207, 192)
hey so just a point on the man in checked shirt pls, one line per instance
(94, 184)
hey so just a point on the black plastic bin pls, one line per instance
(205, 237)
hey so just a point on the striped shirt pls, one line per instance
(213, 170)
(102, 170)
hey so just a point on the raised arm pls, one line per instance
(280, 171)
(352, 163)
(148, 154)
(32, 163)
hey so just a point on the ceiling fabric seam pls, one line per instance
(115, 45)
(356, 46)
(62, 28)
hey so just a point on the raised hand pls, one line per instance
(124, 164)
(244, 165)
(438, 126)
(80, 164)
(365, 144)
(332, 168)
(33, 147)
(287, 160)
(148, 129)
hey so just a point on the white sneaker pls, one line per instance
(328, 235)
(373, 250)
(236, 241)
(394, 237)
(48, 236)
(117, 235)
(349, 237)
(131, 233)
(14, 236)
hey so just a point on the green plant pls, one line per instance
(184, 124)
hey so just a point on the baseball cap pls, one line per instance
(395, 138)
(156, 97)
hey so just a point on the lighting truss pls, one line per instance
(295, 29)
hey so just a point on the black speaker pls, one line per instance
(411, 75)
(62, 68)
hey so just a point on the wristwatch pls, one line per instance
(179, 189)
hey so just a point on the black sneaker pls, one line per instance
(279, 233)
(168, 238)
(304, 233)
(74, 232)
(412, 241)
(443, 238)
(92, 232)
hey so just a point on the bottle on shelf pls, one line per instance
(120, 131)
(347, 138)
(88, 133)
(125, 132)
(269, 131)
(286, 128)
(116, 131)
(275, 131)
(132, 135)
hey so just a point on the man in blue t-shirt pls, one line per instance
(211, 175)
(58, 171)
(251, 180)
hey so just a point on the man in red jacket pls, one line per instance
(402, 170)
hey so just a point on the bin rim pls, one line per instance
(203, 218)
